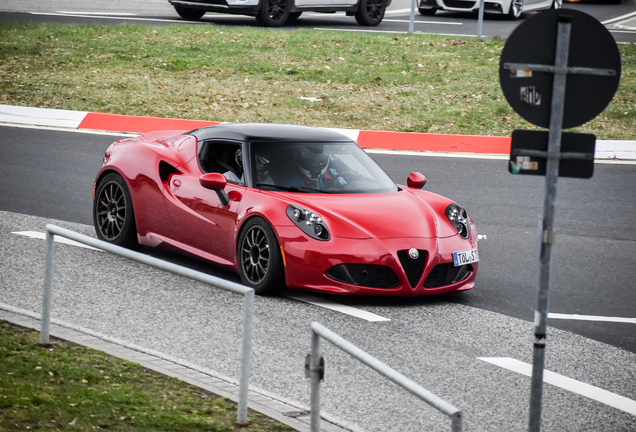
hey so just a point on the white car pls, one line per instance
(511, 8)
(275, 13)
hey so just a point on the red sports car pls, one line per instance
(284, 206)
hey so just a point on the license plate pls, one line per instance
(465, 257)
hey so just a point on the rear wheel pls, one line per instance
(190, 14)
(516, 7)
(370, 12)
(113, 214)
(273, 13)
(260, 263)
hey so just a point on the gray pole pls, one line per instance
(480, 19)
(314, 374)
(412, 19)
(46, 290)
(549, 210)
(248, 312)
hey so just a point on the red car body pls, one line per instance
(394, 242)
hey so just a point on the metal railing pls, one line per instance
(248, 294)
(316, 372)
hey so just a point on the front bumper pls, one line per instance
(375, 267)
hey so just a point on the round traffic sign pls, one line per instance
(529, 92)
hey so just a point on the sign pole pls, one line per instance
(549, 210)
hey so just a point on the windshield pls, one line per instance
(317, 168)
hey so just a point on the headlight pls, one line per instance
(458, 217)
(310, 223)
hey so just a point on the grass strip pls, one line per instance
(369, 81)
(70, 387)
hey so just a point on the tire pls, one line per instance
(370, 12)
(260, 263)
(273, 13)
(427, 11)
(113, 215)
(516, 7)
(190, 14)
(293, 16)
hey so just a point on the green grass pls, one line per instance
(418, 83)
(66, 387)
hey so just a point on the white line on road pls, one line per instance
(57, 239)
(591, 318)
(316, 301)
(589, 391)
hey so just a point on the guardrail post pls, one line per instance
(248, 311)
(46, 294)
(314, 373)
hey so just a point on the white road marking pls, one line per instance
(482, 237)
(57, 239)
(589, 391)
(117, 14)
(316, 301)
(591, 318)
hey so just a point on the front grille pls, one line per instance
(366, 275)
(412, 267)
(447, 274)
(460, 4)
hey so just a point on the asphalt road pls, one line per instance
(47, 175)
(159, 12)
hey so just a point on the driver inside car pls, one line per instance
(313, 171)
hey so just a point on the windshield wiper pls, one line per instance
(291, 188)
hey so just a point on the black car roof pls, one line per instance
(268, 132)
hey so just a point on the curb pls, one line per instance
(400, 141)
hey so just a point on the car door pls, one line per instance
(197, 213)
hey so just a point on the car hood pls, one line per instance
(408, 213)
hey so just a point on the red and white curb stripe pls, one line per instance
(402, 141)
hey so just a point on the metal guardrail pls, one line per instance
(316, 372)
(248, 294)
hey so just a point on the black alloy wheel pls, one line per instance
(516, 7)
(190, 14)
(260, 262)
(273, 13)
(113, 215)
(370, 12)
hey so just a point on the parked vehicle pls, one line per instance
(511, 8)
(276, 13)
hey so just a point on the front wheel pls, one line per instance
(260, 263)
(190, 14)
(113, 214)
(516, 7)
(273, 13)
(370, 12)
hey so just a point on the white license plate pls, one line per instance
(465, 257)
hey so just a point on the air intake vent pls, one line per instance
(447, 274)
(413, 267)
(366, 275)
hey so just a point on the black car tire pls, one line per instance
(113, 214)
(293, 16)
(427, 11)
(190, 14)
(274, 13)
(370, 12)
(260, 263)
(516, 7)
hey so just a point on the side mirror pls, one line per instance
(416, 180)
(216, 182)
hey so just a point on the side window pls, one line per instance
(222, 157)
